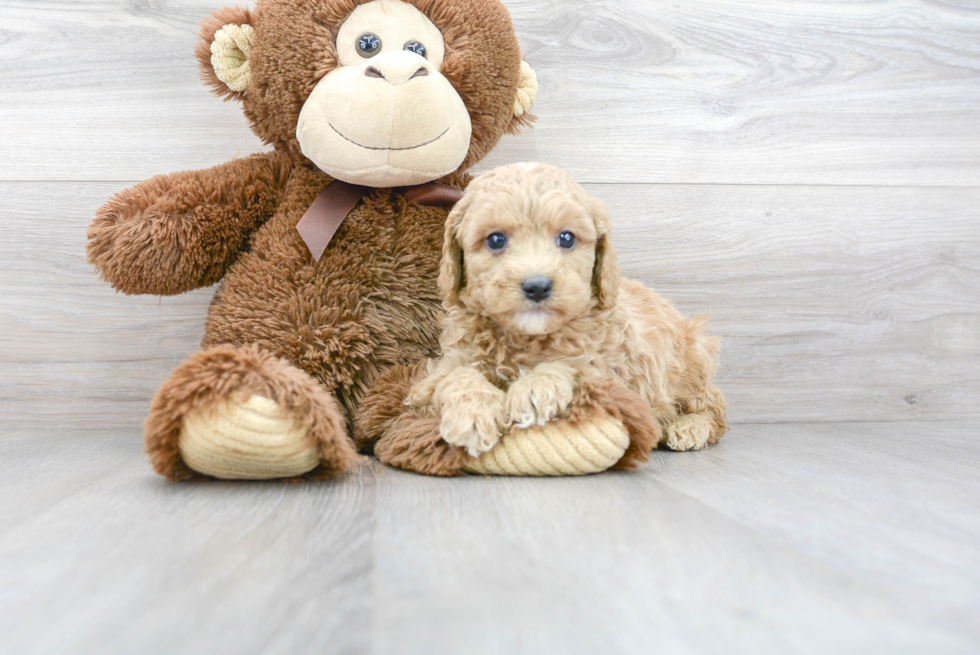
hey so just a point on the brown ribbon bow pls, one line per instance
(324, 217)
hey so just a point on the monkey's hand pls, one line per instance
(174, 233)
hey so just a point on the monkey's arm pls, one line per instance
(173, 233)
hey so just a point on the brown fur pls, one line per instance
(413, 443)
(399, 437)
(174, 233)
(385, 403)
(370, 303)
(594, 325)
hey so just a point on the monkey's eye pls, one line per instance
(416, 47)
(368, 45)
(496, 241)
(567, 240)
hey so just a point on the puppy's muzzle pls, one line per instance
(536, 289)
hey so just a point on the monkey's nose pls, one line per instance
(396, 77)
(536, 288)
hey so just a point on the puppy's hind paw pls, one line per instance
(688, 432)
(539, 396)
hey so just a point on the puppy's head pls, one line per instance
(528, 248)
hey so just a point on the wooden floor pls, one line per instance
(813, 538)
(846, 538)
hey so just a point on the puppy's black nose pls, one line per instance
(536, 288)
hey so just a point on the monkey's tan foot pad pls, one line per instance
(254, 439)
(556, 448)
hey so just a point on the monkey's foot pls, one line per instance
(247, 440)
(240, 413)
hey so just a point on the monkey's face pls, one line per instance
(375, 92)
(386, 116)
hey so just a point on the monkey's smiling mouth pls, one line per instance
(346, 138)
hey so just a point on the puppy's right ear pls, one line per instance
(224, 49)
(452, 274)
(605, 273)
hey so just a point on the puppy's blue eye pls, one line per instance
(416, 47)
(496, 241)
(368, 45)
(567, 240)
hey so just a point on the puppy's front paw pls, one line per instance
(473, 421)
(538, 397)
(420, 399)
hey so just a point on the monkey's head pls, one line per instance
(380, 93)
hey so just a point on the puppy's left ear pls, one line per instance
(605, 272)
(452, 274)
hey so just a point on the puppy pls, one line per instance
(535, 305)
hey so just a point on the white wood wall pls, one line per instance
(809, 172)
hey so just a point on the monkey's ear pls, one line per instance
(223, 51)
(605, 271)
(527, 92)
(452, 274)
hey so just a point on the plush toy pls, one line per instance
(326, 247)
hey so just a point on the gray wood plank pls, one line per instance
(125, 562)
(814, 92)
(836, 304)
(795, 539)
(845, 538)
(873, 499)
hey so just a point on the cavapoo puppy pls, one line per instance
(535, 305)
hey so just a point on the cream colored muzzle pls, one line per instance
(392, 121)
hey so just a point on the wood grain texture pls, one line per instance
(97, 554)
(833, 304)
(783, 539)
(804, 539)
(639, 91)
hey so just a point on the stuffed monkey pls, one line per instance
(327, 246)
